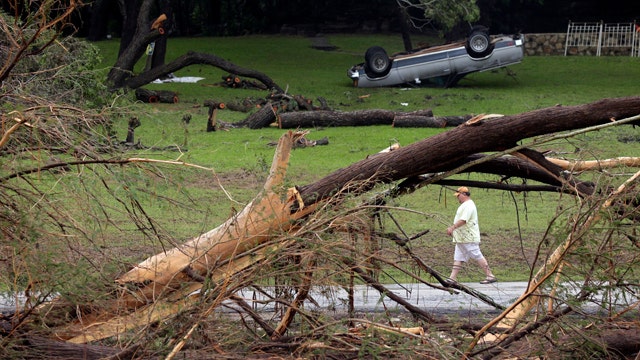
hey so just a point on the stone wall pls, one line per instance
(552, 44)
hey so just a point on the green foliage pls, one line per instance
(66, 72)
(449, 13)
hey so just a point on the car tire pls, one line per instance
(376, 62)
(479, 43)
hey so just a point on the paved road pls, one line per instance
(368, 299)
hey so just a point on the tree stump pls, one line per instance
(213, 113)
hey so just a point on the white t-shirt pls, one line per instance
(469, 232)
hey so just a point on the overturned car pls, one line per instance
(442, 65)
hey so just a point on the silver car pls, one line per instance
(442, 65)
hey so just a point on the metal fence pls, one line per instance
(603, 36)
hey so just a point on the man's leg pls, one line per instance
(457, 266)
(485, 266)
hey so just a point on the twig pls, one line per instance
(416, 311)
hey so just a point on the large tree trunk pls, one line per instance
(160, 49)
(135, 38)
(405, 28)
(159, 286)
(443, 151)
(129, 11)
(192, 58)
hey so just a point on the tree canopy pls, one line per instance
(229, 17)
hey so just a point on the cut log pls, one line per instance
(154, 96)
(412, 121)
(147, 96)
(260, 119)
(168, 97)
(235, 82)
(324, 118)
(303, 102)
(234, 106)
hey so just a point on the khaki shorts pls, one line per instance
(466, 251)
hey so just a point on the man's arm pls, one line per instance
(455, 225)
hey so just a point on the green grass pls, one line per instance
(293, 64)
(241, 158)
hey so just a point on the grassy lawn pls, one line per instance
(239, 159)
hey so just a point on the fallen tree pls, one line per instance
(160, 286)
(145, 31)
(212, 267)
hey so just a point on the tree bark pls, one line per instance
(325, 118)
(405, 28)
(134, 41)
(160, 50)
(154, 96)
(261, 118)
(429, 121)
(146, 96)
(129, 11)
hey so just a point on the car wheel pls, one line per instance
(377, 62)
(479, 44)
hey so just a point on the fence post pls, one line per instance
(634, 38)
(598, 51)
(566, 44)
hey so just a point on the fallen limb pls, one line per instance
(596, 164)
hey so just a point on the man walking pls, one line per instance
(466, 235)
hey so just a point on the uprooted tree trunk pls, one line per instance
(166, 284)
